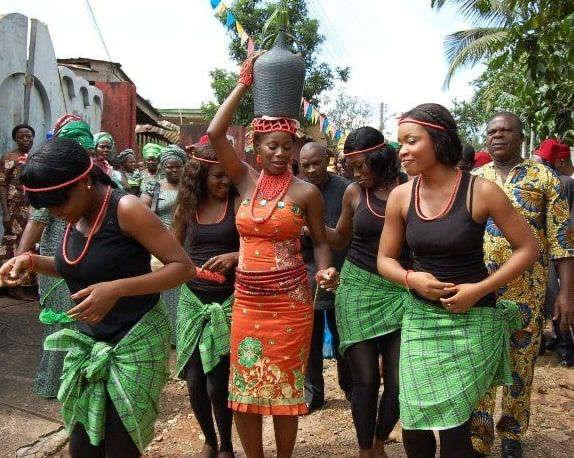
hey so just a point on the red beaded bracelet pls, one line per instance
(407, 278)
(31, 262)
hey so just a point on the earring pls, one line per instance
(258, 159)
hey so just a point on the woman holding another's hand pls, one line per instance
(455, 336)
(273, 309)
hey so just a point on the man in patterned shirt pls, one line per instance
(536, 192)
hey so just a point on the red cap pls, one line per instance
(481, 158)
(564, 151)
(549, 150)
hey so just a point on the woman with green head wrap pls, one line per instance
(161, 196)
(105, 149)
(127, 172)
(80, 132)
(150, 153)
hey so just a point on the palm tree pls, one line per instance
(492, 18)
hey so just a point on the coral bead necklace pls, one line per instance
(91, 233)
(272, 188)
(448, 204)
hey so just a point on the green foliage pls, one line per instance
(222, 83)
(348, 112)
(529, 54)
(471, 122)
(262, 20)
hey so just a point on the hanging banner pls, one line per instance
(243, 36)
(230, 21)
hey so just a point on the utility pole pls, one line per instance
(382, 112)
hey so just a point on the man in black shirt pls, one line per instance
(313, 161)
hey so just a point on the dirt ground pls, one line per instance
(330, 432)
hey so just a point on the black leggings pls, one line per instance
(207, 392)
(454, 442)
(363, 360)
(117, 443)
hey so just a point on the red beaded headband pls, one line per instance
(201, 159)
(204, 141)
(274, 125)
(366, 150)
(422, 123)
(62, 185)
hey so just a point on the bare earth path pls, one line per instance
(330, 432)
(326, 433)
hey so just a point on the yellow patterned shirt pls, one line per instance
(536, 192)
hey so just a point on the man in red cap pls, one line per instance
(481, 158)
(557, 156)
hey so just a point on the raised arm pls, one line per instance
(217, 130)
(339, 237)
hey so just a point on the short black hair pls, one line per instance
(447, 144)
(57, 161)
(22, 126)
(384, 161)
(510, 114)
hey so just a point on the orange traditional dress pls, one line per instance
(272, 315)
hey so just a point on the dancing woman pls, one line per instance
(204, 222)
(368, 314)
(273, 311)
(455, 336)
(117, 363)
(54, 294)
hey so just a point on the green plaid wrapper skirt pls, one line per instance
(366, 306)
(450, 360)
(132, 373)
(206, 325)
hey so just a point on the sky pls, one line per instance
(168, 47)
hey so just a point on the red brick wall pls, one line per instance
(119, 115)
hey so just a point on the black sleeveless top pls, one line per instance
(206, 241)
(450, 247)
(367, 229)
(112, 255)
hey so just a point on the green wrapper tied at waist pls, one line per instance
(206, 325)
(132, 373)
(450, 360)
(366, 306)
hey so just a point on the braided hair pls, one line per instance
(57, 161)
(383, 162)
(447, 144)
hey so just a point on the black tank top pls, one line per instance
(450, 247)
(207, 241)
(367, 229)
(112, 255)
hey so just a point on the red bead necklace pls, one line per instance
(219, 218)
(371, 208)
(91, 233)
(449, 202)
(272, 188)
